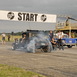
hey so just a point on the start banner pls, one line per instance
(27, 17)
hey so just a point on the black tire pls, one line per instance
(45, 49)
(13, 47)
(50, 48)
(69, 46)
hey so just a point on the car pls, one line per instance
(34, 44)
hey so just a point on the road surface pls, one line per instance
(60, 63)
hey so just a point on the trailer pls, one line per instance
(69, 42)
(69, 29)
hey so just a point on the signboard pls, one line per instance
(60, 25)
(25, 16)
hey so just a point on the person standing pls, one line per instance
(60, 35)
(54, 44)
(8, 37)
(50, 35)
(3, 38)
(50, 39)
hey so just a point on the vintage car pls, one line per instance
(34, 44)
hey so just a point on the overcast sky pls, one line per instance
(59, 7)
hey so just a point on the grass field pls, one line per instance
(11, 39)
(9, 71)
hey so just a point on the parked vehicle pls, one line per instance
(68, 28)
(69, 42)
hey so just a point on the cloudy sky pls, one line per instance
(58, 7)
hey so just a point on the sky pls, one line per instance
(58, 7)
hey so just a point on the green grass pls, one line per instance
(9, 71)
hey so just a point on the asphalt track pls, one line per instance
(60, 63)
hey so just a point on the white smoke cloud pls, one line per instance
(31, 47)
